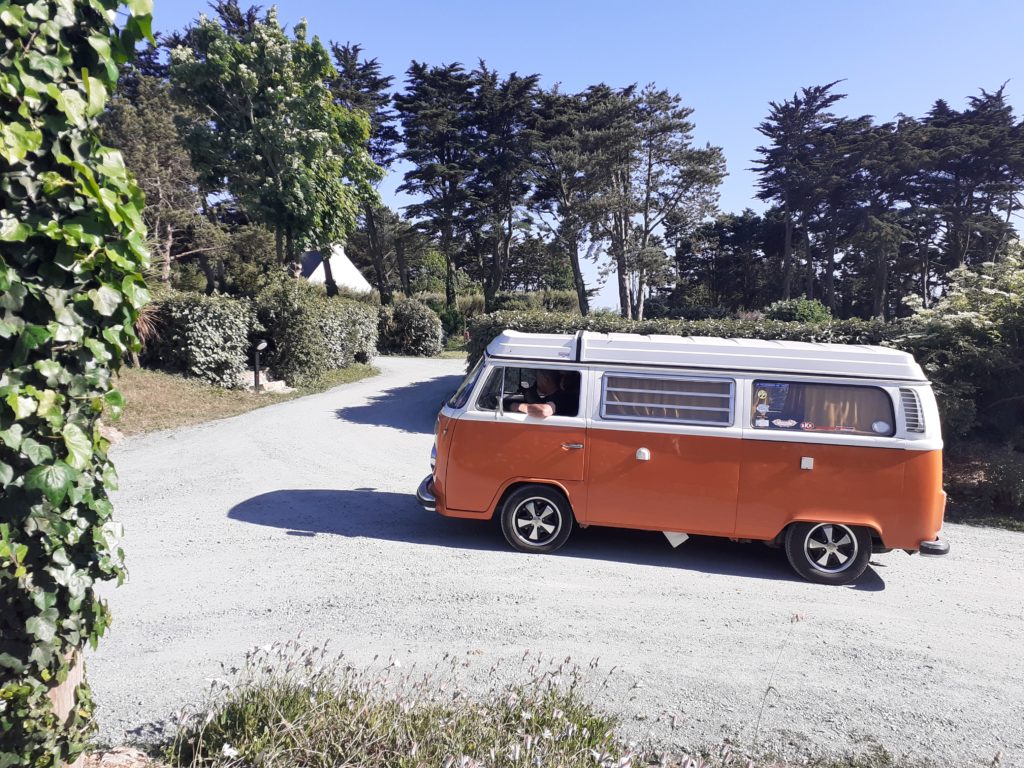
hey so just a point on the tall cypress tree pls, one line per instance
(432, 112)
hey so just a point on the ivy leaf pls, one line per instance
(137, 295)
(12, 437)
(53, 480)
(79, 446)
(23, 407)
(49, 407)
(115, 402)
(16, 141)
(48, 65)
(36, 452)
(6, 474)
(139, 7)
(44, 626)
(50, 369)
(13, 16)
(142, 25)
(31, 337)
(105, 300)
(72, 104)
(12, 230)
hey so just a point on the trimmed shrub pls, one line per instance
(558, 301)
(452, 321)
(484, 328)
(684, 303)
(409, 327)
(311, 334)
(206, 337)
(366, 297)
(470, 304)
(798, 311)
(435, 301)
(505, 301)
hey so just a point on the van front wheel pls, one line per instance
(828, 553)
(536, 518)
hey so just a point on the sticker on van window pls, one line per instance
(881, 427)
(784, 423)
(807, 425)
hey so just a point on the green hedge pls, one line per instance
(484, 328)
(409, 327)
(206, 337)
(977, 369)
(310, 334)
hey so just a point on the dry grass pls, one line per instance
(297, 707)
(157, 400)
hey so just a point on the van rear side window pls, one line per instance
(667, 399)
(808, 407)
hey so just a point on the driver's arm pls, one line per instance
(541, 410)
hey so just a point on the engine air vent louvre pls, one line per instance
(912, 410)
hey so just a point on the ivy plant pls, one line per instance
(71, 257)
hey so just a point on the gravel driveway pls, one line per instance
(300, 517)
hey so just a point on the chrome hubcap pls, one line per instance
(537, 521)
(830, 548)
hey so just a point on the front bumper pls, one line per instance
(425, 494)
(934, 548)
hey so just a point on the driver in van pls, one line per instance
(547, 396)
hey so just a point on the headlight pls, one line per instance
(433, 456)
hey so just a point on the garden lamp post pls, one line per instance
(260, 346)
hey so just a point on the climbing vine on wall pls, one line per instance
(71, 256)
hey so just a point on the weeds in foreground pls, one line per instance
(296, 707)
(292, 706)
(770, 688)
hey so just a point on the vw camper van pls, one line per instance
(830, 451)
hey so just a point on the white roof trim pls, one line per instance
(709, 353)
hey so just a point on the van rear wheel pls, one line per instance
(828, 553)
(536, 518)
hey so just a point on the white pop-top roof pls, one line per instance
(702, 352)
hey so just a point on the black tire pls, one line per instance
(536, 518)
(828, 553)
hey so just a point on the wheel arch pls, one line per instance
(848, 520)
(511, 486)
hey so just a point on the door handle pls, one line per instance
(571, 446)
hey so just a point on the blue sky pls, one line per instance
(726, 60)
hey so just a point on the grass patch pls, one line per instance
(296, 707)
(454, 348)
(158, 400)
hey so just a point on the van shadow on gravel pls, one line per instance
(412, 408)
(397, 517)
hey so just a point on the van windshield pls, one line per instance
(461, 396)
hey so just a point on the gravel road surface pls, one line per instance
(300, 517)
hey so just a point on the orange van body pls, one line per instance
(740, 489)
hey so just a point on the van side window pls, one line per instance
(492, 393)
(807, 407)
(667, 398)
(512, 386)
